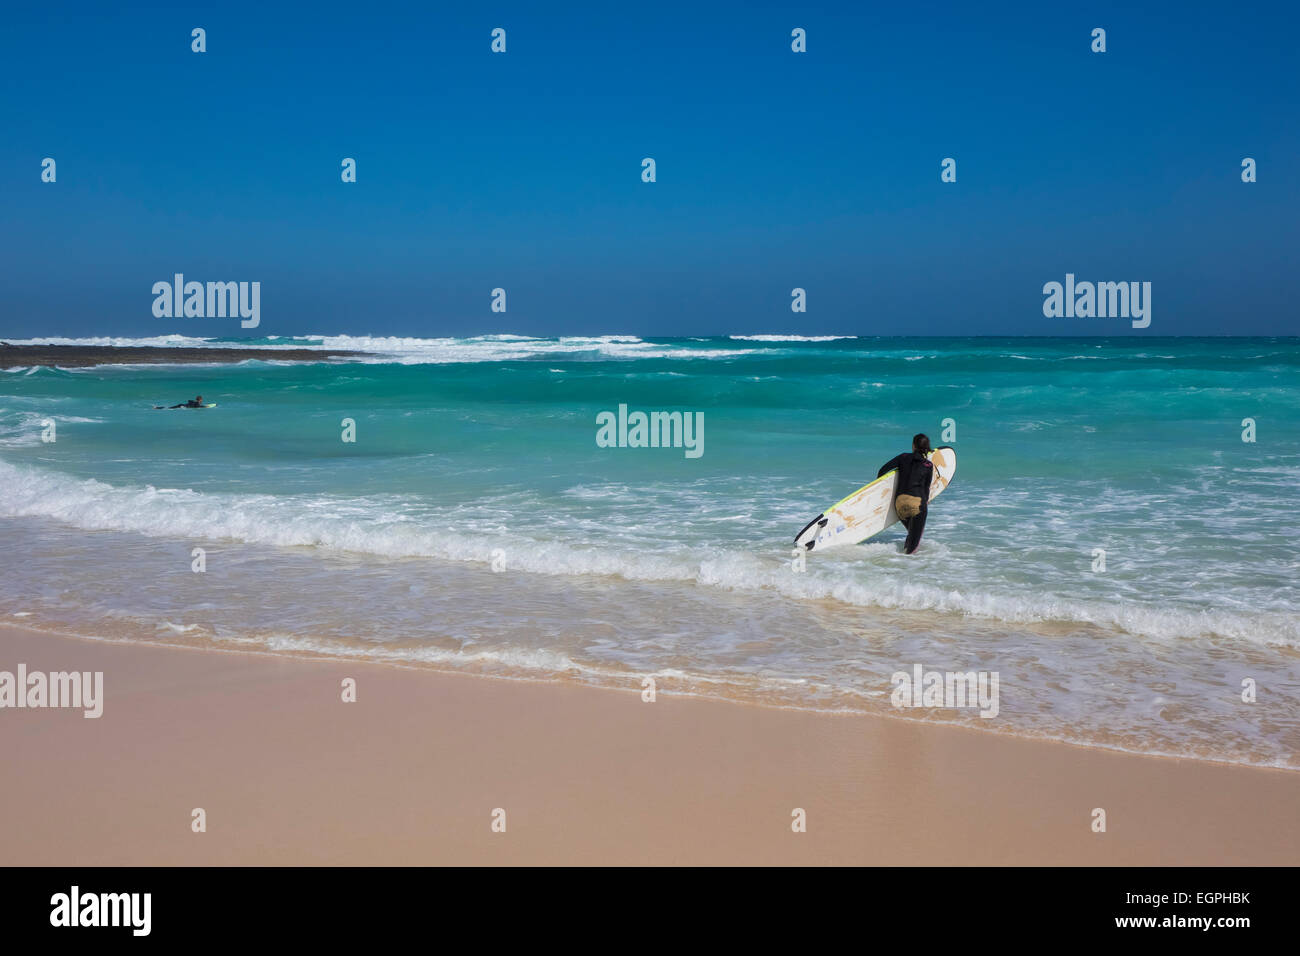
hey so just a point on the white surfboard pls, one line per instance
(870, 509)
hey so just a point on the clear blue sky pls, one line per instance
(775, 169)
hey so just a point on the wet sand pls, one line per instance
(412, 772)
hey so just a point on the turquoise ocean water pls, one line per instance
(476, 525)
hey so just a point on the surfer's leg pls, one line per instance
(915, 525)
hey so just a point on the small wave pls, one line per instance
(790, 338)
(116, 341)
(25, 429)
(411, 350)
(382, 528)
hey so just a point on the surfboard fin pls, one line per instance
(820, 521)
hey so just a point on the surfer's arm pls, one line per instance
(892, 464)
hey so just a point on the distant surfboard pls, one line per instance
(870, 509)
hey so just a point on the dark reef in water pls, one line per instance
(78, 356)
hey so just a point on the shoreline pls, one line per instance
(85, 356)
(411, 773)
(562, 679)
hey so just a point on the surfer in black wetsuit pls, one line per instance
(196, 402)
(913, 496)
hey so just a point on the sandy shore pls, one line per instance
(78, 356)
(412, 772)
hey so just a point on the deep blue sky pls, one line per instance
(775, 170)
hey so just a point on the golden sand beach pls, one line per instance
(413, 771)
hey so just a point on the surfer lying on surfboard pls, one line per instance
(914, 473)
(196, 402)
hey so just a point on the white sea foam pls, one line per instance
(117, 341)
(382, 527)
(24, 428)
(410, 350)
(495, 348)
(790, 338)
(516, 658)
